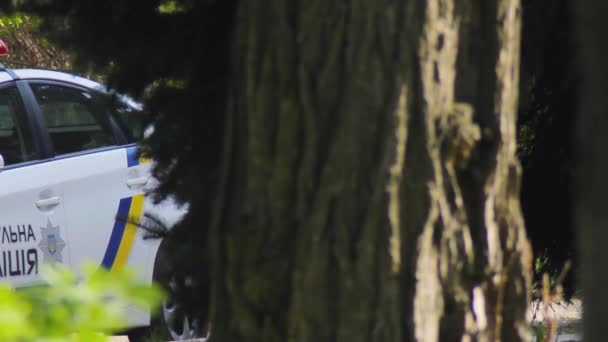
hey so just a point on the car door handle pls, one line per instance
(137, 182)
(48, 202)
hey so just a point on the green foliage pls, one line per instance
(539, 331)
(545, 265)
(13, 21)
(525, 141)
(72, 309)
(170, 7)
(28, 47)
(542, 265)
(17, 21)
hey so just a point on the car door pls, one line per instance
(103, 181)
(32, 216)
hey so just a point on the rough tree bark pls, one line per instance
(370, 178)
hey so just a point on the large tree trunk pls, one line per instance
(370, 179)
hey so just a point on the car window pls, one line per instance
(16, 144)
(130, 117)
(76, 119)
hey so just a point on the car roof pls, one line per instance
(30, 74)
(52, 75)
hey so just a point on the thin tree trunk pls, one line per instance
(370, 179)
(592, 184)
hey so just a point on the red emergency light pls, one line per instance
(3, 49)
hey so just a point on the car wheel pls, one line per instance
(173, 322)
(177, 324)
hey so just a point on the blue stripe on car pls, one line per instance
(117, 232)
(132, 156)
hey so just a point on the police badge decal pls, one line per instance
(51, 243)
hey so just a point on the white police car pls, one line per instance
(72, 187)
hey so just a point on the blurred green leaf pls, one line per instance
(71, 308)
(170, 7)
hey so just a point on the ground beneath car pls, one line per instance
(126, 339)
(569, 316)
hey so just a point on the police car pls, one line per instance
(72, 185)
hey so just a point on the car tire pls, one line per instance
(170, 322)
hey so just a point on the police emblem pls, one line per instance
(51, 244)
